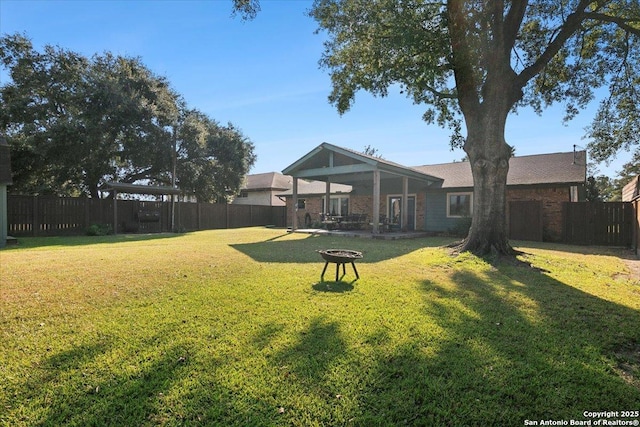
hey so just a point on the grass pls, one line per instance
(234, 327)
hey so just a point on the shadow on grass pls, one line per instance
(91, 398)
(508, 344)
(620, 252)
(494, 346)
(63, 241)
(336, 287)
(304, 250)
(524, 343)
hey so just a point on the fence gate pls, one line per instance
(525, 220)
(598, 223)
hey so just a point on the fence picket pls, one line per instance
(598, 223)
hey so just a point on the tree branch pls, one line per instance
(513, 21)
(440, 94)
(623, 23)
(566, 31)
(462, 62)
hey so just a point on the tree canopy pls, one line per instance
(74, 123)
(448, 55)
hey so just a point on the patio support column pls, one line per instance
(404, 209)
(327, 200)
(294, 220)
(376, 201)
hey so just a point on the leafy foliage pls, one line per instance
(75, 122)
(551, 50)
(205, 150)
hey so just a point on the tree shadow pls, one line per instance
(299, 371)
(67, 241)
(304, 250)
(98, 399)
(545, 362)
(615, 251)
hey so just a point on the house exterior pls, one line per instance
(263, 189)
(432, 198)
(548, 179)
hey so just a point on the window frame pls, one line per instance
(459, 193)
(339, 198)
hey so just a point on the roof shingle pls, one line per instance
(555, 168)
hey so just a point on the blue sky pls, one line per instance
(263, 76)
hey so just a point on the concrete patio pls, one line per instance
(367, 234)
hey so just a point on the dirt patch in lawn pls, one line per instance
(627, 357)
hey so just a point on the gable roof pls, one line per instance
(310, 188)
(267, 181)
(347, 166)
(631, 191)
(555, 168)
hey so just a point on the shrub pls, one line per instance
(99, 230)
(461, 227)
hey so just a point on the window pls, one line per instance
(337, 206)
(302, 204)
(243, 193)
(459, 204)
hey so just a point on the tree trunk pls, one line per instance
(489, 158)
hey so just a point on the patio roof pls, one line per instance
(333, 164)
(328, 162)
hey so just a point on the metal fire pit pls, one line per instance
(340, 256)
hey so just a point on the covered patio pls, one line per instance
(368, 176)
(364, 234)
(120, 187)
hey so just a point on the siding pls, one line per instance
(436, 216)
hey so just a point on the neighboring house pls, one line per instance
(631, 193)
(262, 189)
(435, 198)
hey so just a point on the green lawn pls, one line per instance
(234, 327)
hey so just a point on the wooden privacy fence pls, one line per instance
(53, 216)
(598, 223)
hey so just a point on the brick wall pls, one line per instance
(357, 204)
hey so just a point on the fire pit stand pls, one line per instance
(340, 256)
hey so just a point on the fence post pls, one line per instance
(87, 219)
(35, 226)
(199, 215)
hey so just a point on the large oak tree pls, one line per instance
(74, 123)
(472, 63)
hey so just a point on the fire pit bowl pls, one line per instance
(340, 256)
